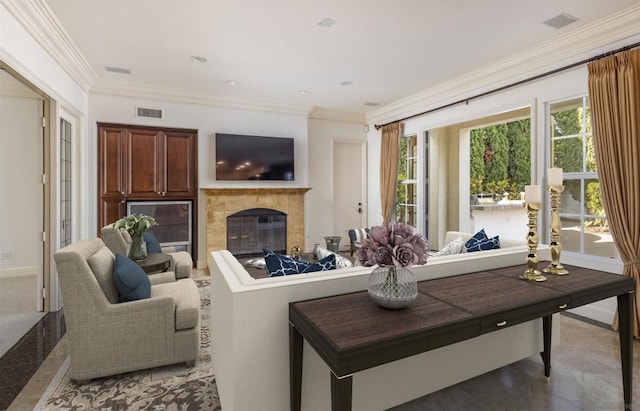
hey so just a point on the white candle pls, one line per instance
(554, 176)
(532, 194)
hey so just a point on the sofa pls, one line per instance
(251, 346)
(108, 337)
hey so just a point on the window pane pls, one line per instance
(593, 197)
(571, 198)
(411, 194)
(567, 154)
(570, 235)
(591, 155)
(413, 169)
(566, 119)
(597, 238)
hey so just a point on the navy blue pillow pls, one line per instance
(279, 265)
(130, 279)
(153, 246)
(477, 237)
(488, 244)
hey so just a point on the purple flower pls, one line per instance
(393, 244)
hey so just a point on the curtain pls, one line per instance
(389, 160)
(614, 92)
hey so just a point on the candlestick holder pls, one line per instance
(556, 226)
(532, 273)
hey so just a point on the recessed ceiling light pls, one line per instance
(303, 92)
(346, 83)
(326, 22)
(118, 70)
(231, 82)
(198, 59)
(561, 20)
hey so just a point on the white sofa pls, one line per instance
(251, 338)
(505, 245)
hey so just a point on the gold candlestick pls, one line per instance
(532, 273)
(556, 226)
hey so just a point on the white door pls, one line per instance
(348, 188)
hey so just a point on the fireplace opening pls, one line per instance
(250, 231)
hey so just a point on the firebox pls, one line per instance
(250, 231)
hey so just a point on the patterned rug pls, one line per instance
(173, 387)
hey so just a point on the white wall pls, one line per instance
(319, 200)
(207, 120)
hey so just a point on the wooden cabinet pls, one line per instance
(143, 163)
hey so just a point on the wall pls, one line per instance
(208, 120)
(319, 204)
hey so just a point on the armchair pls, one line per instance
(356, 235)
(119, 242)
(107, 337)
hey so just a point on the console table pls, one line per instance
(351, 333)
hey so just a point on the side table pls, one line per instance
(155, 262)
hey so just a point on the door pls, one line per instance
(348, 188)
(178, 156)
(112, 146)
(145, 163)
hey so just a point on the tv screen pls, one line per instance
(241, 157)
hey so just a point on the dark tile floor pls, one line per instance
(25, 357)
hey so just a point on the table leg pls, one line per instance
(295, 368)
(625, 321)
(546, 354)
(341, 393)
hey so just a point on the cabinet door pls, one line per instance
(179, 160)
(112, 171)
(144, 163)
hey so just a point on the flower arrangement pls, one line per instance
(135, 224)
(393, 244)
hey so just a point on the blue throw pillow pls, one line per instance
(153, 246)
(327, 263)
(130, 279)
(477, 237)
(279, 265)
(488, 244)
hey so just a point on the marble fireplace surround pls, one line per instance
(223, 202)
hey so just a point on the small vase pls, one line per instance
(392, 287)
(138, 250)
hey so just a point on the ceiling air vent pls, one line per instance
(149, 112)
(561, 20)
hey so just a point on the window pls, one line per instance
(406, 194)
(584, 223)
(65, 183)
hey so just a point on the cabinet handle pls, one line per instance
(163, 193)
(121, 192)
(501, 324)
(158, 192)
(562, 306)
(121, 201)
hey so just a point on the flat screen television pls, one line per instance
(240, 157)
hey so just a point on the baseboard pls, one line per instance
(18, 272)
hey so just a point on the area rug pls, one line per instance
(174, 387)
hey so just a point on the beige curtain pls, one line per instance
(614, 92)
(389, 160)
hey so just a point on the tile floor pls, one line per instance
(585, 374)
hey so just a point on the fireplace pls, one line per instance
(251, 231)
(224, 202)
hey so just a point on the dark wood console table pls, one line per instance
(351, 333)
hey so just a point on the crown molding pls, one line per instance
(145, 91)
(37, 18)
(346, 117)
(569, 47)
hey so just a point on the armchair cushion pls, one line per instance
(130, 280)
(186, 300)
(153, 245)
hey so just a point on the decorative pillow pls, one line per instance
(279, 265)
(479, 236)
(456, 246)
(153, 245)
(130, 279)
(324, 264)
(488, 244)
(341, 262)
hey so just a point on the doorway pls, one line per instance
(348, 188)
(21, 209)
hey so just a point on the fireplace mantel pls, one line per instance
(223, 202)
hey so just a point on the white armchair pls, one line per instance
(119, 242)
(108, 337)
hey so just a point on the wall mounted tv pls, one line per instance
(240, 157)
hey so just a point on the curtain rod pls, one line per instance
(517, 83)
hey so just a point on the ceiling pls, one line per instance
(277, 52)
